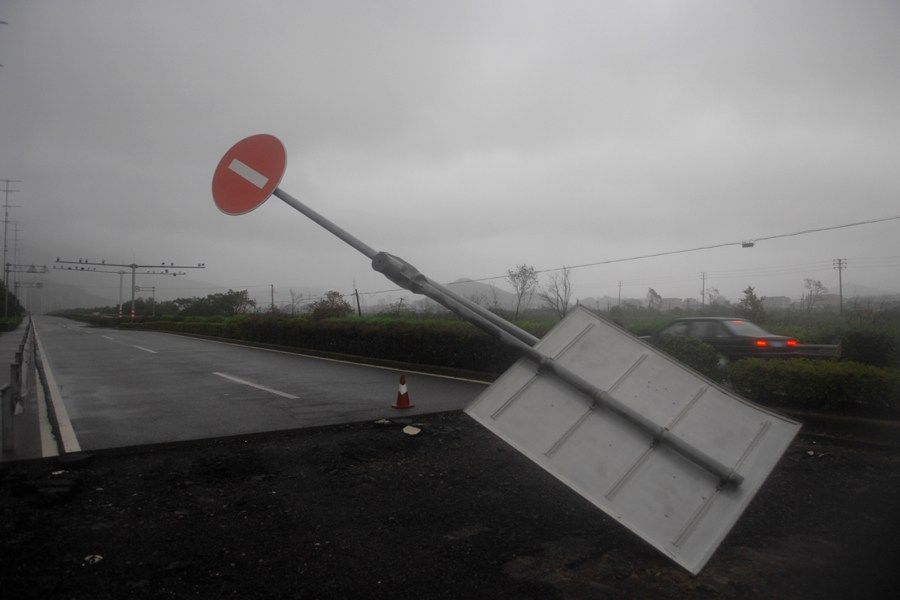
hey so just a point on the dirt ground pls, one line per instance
(365, 511)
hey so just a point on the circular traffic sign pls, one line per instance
(248, 174)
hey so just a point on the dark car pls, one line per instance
(733, 338)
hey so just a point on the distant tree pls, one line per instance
(296, 300)
(715, 298)
(225, 304)
(751, 306)
(654, 300)
(332, 305)
(524, 281)
(494, 305)
(479, 299)
(557, 292)
(167, 307)
(814, 291)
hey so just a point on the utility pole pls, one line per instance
(703, 289)
(840, 264)
(356, 293)
(272, 291)
(163, 269)
(15, 253)
(620, 293)
(121, 281)
(6, 206)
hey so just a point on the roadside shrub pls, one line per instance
(10, 323)
(877, 348)
(694, 353)
(195, 327)
(817, 384)
(645, 326)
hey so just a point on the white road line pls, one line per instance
(145, 349)
(109, 338)
(256, 385)
(248, 173)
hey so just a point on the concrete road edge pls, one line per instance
(66, 440)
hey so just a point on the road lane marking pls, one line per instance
(248, 173)
(256, 385)
(109, 338)
(145, 349)
(334, 360)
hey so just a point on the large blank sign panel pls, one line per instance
(671, 502)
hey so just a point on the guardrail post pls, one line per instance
(8, 409)
(15, 374)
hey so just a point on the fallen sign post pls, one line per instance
(671, 455)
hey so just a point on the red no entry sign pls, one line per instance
(248, 174)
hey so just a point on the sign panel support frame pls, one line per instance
(408, 277)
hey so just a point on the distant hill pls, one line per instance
(55, 296)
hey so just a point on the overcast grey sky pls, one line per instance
(465, 137)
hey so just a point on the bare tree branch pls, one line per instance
(557, 292)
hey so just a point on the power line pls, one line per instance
(747, 242)
(743, 243)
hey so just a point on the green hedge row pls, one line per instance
(876, 346)
(441, 343)
(802, 383)
(698, 355)
(10, 323)
(817, 384)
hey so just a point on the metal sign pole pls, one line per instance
(391, 265)
(408, 277)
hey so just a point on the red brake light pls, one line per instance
(761, 343)
(792, 343)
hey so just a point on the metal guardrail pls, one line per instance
(11, 394)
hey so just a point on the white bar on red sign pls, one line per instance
(248, 173)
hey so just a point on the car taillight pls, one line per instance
(792, 343)
(761, 343)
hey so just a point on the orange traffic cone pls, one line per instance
(403, 400)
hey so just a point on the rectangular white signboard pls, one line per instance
(669, 501)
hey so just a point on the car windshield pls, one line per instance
(746, 328)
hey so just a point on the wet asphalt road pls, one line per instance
(124, 388)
